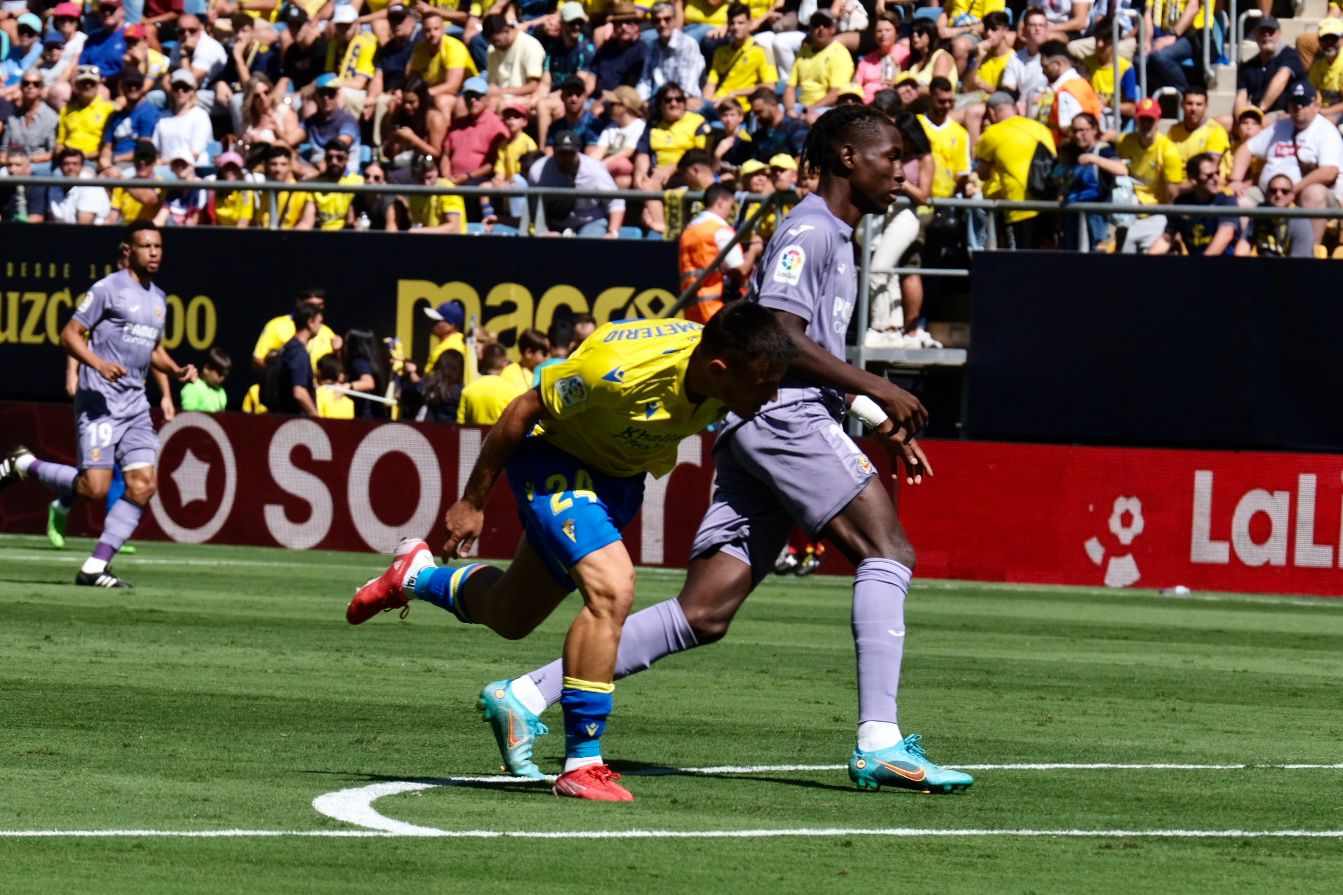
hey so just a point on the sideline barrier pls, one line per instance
(1209, 520)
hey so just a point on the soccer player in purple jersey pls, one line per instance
(791, 463)
(123, 316)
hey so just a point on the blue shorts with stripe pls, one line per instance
(568, 509)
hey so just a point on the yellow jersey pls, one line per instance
(82, 129)
(991, 70)
(671, 141)
(455, 342)
(357, 58)
(430, 211)
(230, 208)
(510, 160)
(519, 375)
(484, 400)
(1103, 77)
(951, 154)
(1154, 168)
(702, 12)
(334, 208)
(1328, 79)
(736, 69)
(279, 330)
(816, 74)
(619, 402)
(1207, 137)
(1166, 14)
(1008, 147)
(332, 405)
(131, 208)
(434, 67)
(975, 9)
(290, 205)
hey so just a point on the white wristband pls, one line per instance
(866, 410)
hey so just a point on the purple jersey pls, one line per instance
(809, 270)
(125, 323)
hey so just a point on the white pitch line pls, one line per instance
(1055, 766)
(799, 833)
(54, 556)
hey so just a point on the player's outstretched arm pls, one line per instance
(466, 517)
(77, 346)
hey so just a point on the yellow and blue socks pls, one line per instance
(442, 586)
(586, 705)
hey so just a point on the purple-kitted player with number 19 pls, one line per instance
(793, 463)
(123, 315)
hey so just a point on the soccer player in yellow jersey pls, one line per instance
(576, 450)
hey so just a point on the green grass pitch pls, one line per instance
(226, 692)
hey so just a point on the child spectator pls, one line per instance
(332, 404)
(519, 144)
(206, 394)
(533, 349)
(484, 400)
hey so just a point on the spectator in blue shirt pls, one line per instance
(106, 47)
(573, 100)
(134, 121)
(24, 53)
(1081, 179)
(328, 122)
(772, 133)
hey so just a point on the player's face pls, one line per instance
(878, 178)
(145, 251)
(746, 389)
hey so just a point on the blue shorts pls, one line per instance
(569, 510)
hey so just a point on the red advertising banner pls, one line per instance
(1208, 520)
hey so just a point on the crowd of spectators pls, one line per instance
(1026, 99)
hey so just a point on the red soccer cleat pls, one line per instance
(384, 593)
(596, 782)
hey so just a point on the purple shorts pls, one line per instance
(106, 441)
(792, 464)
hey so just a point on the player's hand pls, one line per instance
(906, 410)
(111, 371)
(166, 405)
(903, 449)
(187, 374)
(462, 525)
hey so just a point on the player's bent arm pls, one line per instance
(817, 365)
(160, 360)
(75, 345)
(518, 419)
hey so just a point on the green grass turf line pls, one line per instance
(227, 691)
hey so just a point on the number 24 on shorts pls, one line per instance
(561, 497)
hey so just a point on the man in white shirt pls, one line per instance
(205, 56)
(1304, 146)
(189, 127)
(1023, 74)
(78, 204)
(514, 64)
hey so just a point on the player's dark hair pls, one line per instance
(493, 358)
(746, 333)
(218, 359)
(561, 333)
(135, 227)
(533, 340)
(842, 125)
(738, 9)
(304, 314)
(329, 368)
(715, 194)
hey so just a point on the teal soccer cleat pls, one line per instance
(904, 765)
(515, 729)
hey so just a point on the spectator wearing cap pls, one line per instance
(574, 116)
(52, 66)
(135, 120)
(21, 203)
(449, 319)
(821, 70)
(1264, 80)
(141, 203)
(31, 128)
(673, 58)
(64, 21)
(1303, 145)
(741, 65)
(442, 61)
(571, 54)
(1154, 164)
(783, 171)
(519, 144)
(619, 61)
(184, 203)
(106, 47)
(415, 125)
(329, 121)
(335, 211)
(85, 116)
(23, 54)
(475, 139)
(1003, 157)
(77, 204)
(703, 239)
(350, 57)
(1326, 71)
(773, 134)
(389, 64)
(570, 168)
(235, 207)
(616, 144)
(1202, 234)
(295, 210)
(1176, 29)
(515, 62)
(422, 213)
(188, 127)
(141, 58)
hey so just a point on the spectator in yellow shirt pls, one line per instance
(138, 204)
(279, 330)
(1197, 133)
(295, 209)
(84, 117)
(349, 56)
(335, 211)
(519, 144)
(533, 350)
(1157, 171)
(1326, 71)
(428, 214)
(231, 208)
(821, 70)
(1004, 153)
(332, 404)
(740, 66)
(484, 400)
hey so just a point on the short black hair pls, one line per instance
(715, 194)
(996, 21)
(493, 357)
(940, 84)
(694, 157)
(1052, 49)
(843, 124)
(764, 94)
(144, 151)
(746, 333)
(218, 359)
(888, 101)
(303, 315)
(66, 153)
(1196, 90)
(328, 368)
(493, 24)
(308, 294)
(135, 227)
(738, 9)
(1191, 167)
(277, 150)
(533, 340)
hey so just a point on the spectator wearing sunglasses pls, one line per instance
(23, 54)
(31, 128)
(1202, 234)
(1279, 237)
(188, 127)
(329, 122)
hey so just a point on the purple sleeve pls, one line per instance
(90, 310)
(791, 277)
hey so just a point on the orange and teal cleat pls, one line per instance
(904, 765)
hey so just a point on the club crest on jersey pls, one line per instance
(569, 530)
(97, 454)
(788, 269)
(864, 464)
(571, 391)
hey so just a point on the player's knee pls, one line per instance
(94, 489)
(142, 489)
(709, 623)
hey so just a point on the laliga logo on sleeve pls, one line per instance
(1126, 523)
(788, 270)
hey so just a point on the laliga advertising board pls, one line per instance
(1208, 520)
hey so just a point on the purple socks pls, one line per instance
(879, 591)
(120, 524)
(647, 636)
(56, 476)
